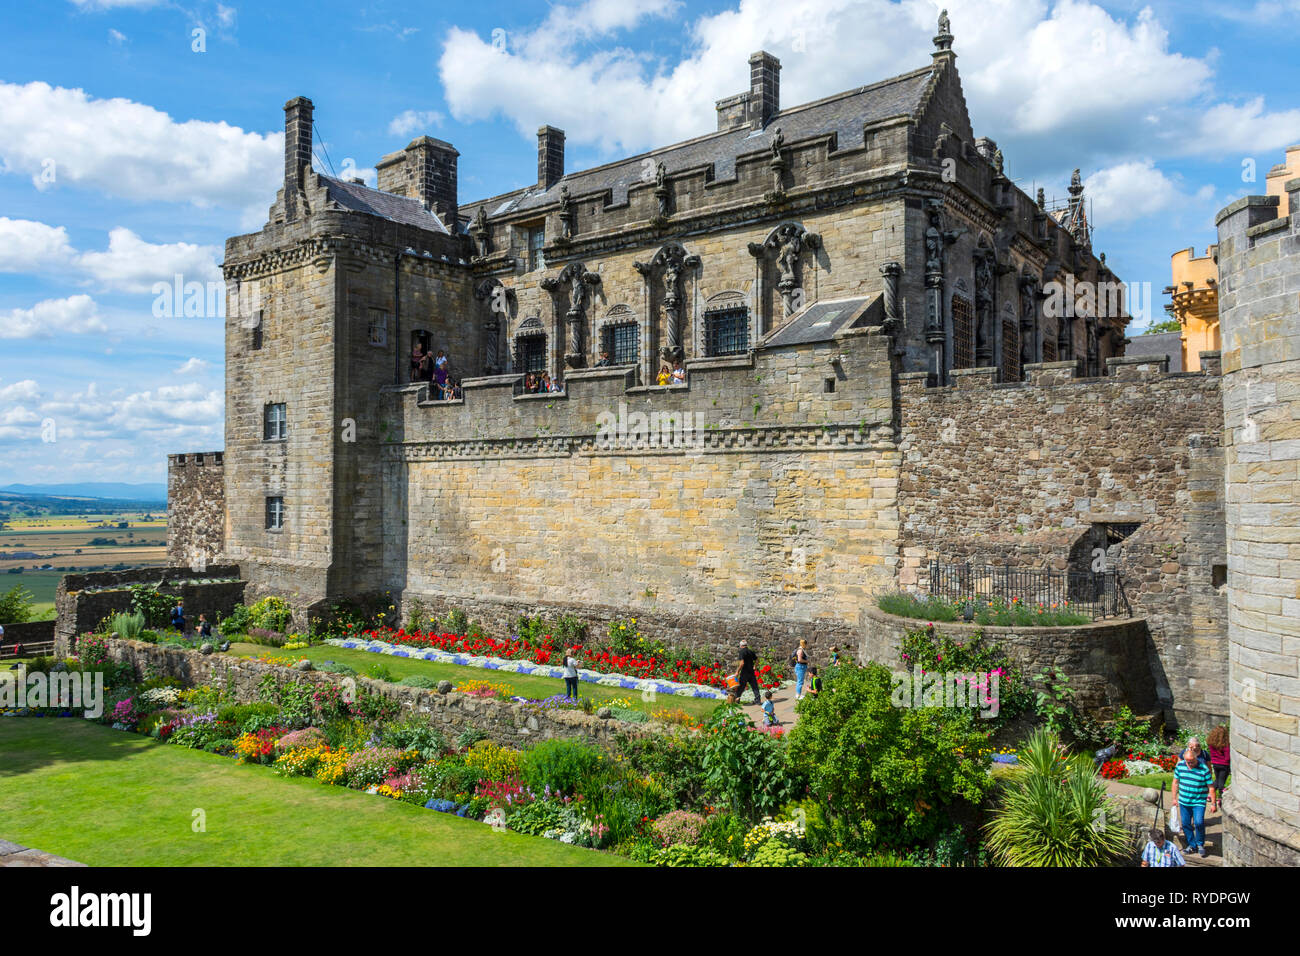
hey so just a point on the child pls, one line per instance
(835, 656)
(814, 685)
(769, 710)
(205, 629)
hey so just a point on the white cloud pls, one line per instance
(115, 4)
(129, 150)
(1041, 79)
(75, 315)
(1246, 129)
(130, 264)
(19, 391)
(192, 366)
(116, 37)
(410, 121)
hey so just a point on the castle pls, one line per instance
(893, 356)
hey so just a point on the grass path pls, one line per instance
(524, 685)
(109, 798)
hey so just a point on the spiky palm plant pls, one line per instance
(1054, 812)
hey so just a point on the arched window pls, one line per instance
(619, 336)
(530, 346)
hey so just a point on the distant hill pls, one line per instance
(153, 493)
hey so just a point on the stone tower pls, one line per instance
(1259, 289)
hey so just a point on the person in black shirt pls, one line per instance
(745, 673)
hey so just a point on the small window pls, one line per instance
(829, 385)
(536, 240)
(274, 513)
(530, 353)
(1219, 575)
(726, 332)
(963, 332)
(622, 342)
(377, 329)
(256, 324)
(275, 424)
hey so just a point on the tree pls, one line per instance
(16, 606)
(1168, 325)
(886, 769)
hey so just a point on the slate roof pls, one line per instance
(844, 114)
(360, 198)
(820, 321)
(1156, 345)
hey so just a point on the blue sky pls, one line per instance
(131, 147)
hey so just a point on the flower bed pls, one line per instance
(515, 660)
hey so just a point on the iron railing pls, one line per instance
(1099, 593)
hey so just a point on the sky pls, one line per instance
(137, 135)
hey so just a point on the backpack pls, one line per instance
(794, 658)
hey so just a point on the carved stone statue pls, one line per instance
(566, 213)
(662, 190)
(998, 162)
(577, 278)
(481, 233)
(945, 25)
(673, 260)
(778, 141)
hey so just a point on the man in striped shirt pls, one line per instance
(1160, 853)
(1193, 783)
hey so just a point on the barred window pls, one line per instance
(275, 423)
(536, 240)
(1010, 350)
(274, 513)
(530, 353)
(623, 343)
(963, 332)
(1049, 349)
(726, 331)
(377, 331)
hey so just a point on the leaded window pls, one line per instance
(623, 343)
(726, 331)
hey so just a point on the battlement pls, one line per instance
(201, 459)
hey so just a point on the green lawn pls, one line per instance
(1150, 780)
(523, 684)
(110, 798)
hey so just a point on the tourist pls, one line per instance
(1194, 745)
(665, 376)
(679, 373)
(421, 367)
(178, 616)
(814, 682)
(604, 359)
(745, 675)
(1193, 784)
(1160, 853)
(1220, 756)
(544, 383)
(556, 386)
(440, 376)
(801, 661)
(205, 629)
(835, 655)
(571, 673)
(769, 710)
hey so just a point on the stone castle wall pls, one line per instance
(196, 502)
(1021, 474)
(1259, 300)
(773, 518)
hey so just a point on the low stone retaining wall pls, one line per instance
(503, 722)
(1107, 662)
(701, 633)
(82, 601)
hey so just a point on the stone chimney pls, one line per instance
(431, 168)
(297, 152)
(764, 88)
(550, 156)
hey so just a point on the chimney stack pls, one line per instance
(764, 88)
(431, 168)
(297, 152)
(550, 156)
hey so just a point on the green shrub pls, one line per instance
(153, 606)
(414, 733)
(469, 737)
(128, 626)
(886, 769)
(675, 759)
(535, 818)
(418, 680)
(332, 667)
(684, 855)
(16, 605)
(455, 621)
(236, 622)
(378, 671)
(566, 766)
(776, 853)
(241, 714)
(271, 614)
(1054, 812)
(629, 715)
(746, 770)
(909, 605)
(937, 652)
(570, 630)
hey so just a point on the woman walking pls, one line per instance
(1220, 756)
(801, 661)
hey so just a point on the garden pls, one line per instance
(856, 781)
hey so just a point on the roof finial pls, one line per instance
(943, 42)
(1042, 198)
(1076, 185)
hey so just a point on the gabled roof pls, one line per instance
(843, 114)
(358, 197)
